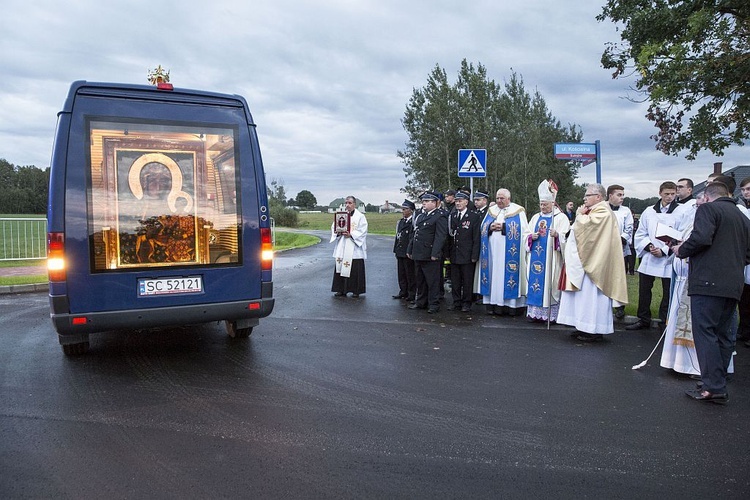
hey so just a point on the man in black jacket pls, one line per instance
(481, 204)
(719, 249)
(464, 229)
(407, 278)
(426, 249)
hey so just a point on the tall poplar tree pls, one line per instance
(515, 128)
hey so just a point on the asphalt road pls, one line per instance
(357, 398)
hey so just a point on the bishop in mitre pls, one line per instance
(544, 250)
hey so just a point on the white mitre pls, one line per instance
(547, 191)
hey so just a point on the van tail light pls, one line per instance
(56, 256)
(266, 249)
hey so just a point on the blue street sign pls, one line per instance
(583, 152)
(575, 151)
(472, 163)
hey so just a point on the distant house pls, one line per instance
(387, 208)
(738, 173)
(338, 204)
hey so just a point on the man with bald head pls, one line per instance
(503, 256)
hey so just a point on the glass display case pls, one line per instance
(162, 195)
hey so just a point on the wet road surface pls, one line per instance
(357, 398)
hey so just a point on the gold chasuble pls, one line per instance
(600, 251)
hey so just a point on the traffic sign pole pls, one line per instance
(581, 152)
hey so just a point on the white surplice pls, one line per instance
(350, 247)
(645, 235)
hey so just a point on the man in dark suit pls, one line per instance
(464, 230)
(570, 212)
(407, 278)
(719, 249)
(426, 249)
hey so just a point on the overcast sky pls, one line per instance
(328, 81)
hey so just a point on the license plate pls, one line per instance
(169, 286)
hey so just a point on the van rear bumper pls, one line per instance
(86, 323)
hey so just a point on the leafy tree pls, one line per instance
(637, 205)
(276, 193)
(691, 59)
(23, 190)
(281, 215)
(284, 217)
(7, 172)
(430, 121)
(514, 127)
(306, 199)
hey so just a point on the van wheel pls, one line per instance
(238, 333)
(75, 349)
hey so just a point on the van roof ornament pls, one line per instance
(158, 76)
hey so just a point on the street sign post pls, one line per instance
(582, 152)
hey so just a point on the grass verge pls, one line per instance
(287, 241)
(376, 223)
(23, 280)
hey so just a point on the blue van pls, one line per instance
(158, 213)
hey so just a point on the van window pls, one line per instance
(162, 194)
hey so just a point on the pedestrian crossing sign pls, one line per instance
(472, 162)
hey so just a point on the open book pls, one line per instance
(667, 234)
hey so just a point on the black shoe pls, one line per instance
(456, 307)
(339, 294)
(466, 309)
(433, 310)
(417, 306)
(355, 295)
(590, 337)
(639, 325)
(399, 296)
(701, 395)
(619, 312)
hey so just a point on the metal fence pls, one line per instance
(23, 238)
